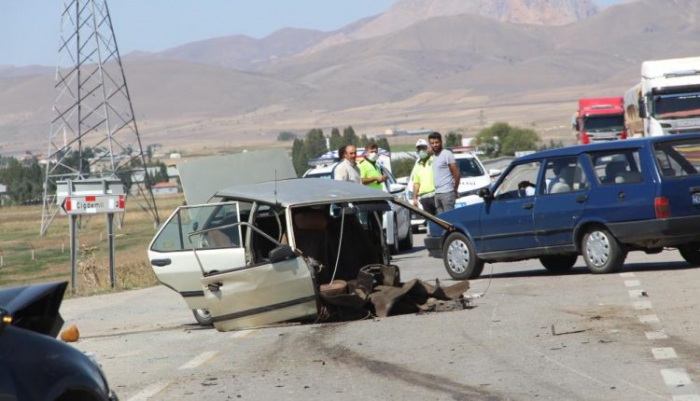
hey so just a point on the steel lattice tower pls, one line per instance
(92, 110)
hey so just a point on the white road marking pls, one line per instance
(640, 305)
(656, 335)
(686, 397)
(632, 283)
(649, 319)
(637, 293)
(664, 353)
(627, 275)
(676, 377)
(150, 391)
(242, 333)
(199, 360)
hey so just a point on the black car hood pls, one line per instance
(35, 307)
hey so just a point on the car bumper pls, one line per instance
(434, 246)
(659, 232)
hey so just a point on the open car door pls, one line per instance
(172, 251)
(277, 288)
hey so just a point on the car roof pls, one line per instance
(304, 191)
(601, 146)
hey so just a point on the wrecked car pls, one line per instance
(34, 365)
(259, 254)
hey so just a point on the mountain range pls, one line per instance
(439, 64)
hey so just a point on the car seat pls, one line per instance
(612, 169)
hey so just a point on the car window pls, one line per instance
(214, 220)
(563, 175)
(469, 167)
(520, 181)
(617, 167)
(678, 158)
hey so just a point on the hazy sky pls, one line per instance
(29, 29)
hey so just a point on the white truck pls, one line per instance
(666, 100)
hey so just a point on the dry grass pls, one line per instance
(28, 258)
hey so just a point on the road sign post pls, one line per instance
(89, 197)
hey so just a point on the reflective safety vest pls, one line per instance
(370, 170)
(423, 175)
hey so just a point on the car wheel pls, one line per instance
(203, 317)
(558, 263)
(407, 243)
(601, 251)
(460, 258)
(691, 253)
(394, 249)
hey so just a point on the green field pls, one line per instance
(26, 257)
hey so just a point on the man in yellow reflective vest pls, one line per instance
(423, 183)
(370, 172)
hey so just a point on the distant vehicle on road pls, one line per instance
(599, 119)
(600, 201)
(666, 100)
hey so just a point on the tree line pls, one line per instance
(315, 144)
(24, 180)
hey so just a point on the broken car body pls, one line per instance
(258, 254)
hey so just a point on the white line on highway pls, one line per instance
(649, 319)
(656, 335)
(676, 377)
(632, 283)
(199, 360)
(150, 391)
(627, 275)
(664, 353)
(686, 397)
(637, 293)
(242, 333)
(642, 305)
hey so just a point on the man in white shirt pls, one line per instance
(347, 169)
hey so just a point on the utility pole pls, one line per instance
(92, 110)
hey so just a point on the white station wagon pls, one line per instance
(257, 254)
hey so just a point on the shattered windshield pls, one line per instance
(677, 105)
(604, 123)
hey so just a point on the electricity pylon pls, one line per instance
(92, 110)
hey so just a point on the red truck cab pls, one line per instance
(599, 119)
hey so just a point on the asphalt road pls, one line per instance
(632, 335)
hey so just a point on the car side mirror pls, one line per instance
(402, 180)
(396, 188)
(485, 193)
(281, 253)
(642, 109)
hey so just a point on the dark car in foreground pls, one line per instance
(600, 201)
(34, 365)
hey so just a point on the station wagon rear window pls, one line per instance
(678, 158)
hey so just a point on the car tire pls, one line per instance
(558, 263)
(394, 249)
(691, 253)
(601, 251)
(407, 243)
(203, 317)
(460, 258)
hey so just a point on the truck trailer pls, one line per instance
(599, 119)
(666, 100)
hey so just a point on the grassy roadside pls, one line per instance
(27, 258)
